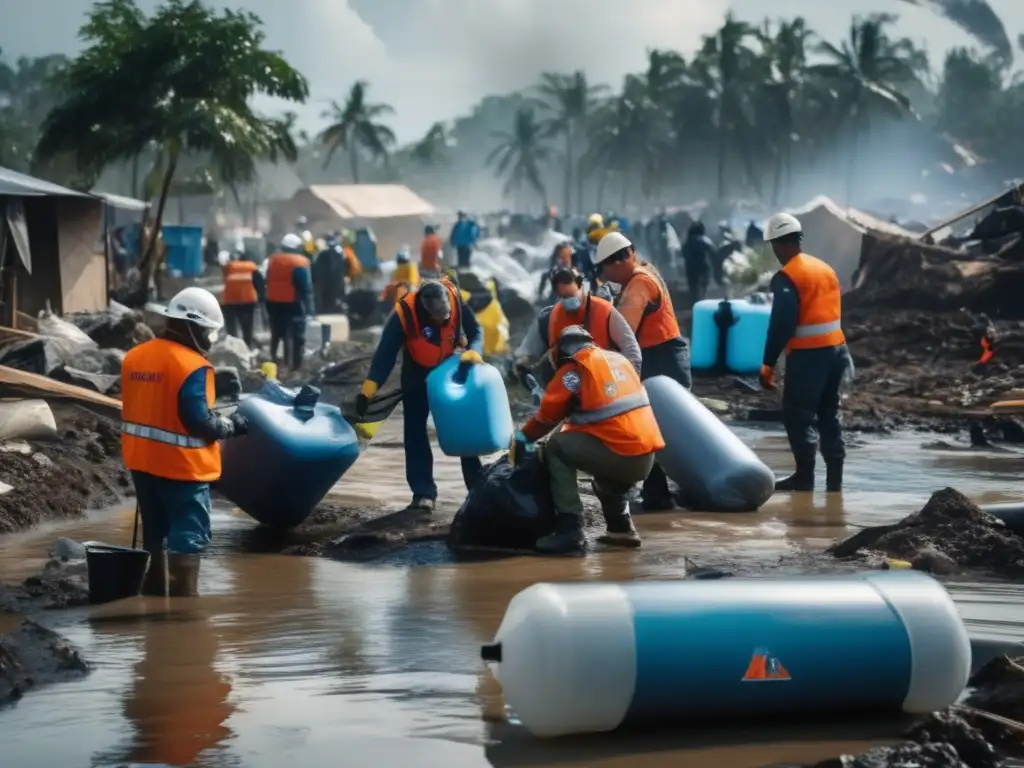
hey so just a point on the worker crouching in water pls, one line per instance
(806, 322)
(645, 304)
(243, 290)
(430, 324)
(610, 434)
(289, 299)
(169, 439)
(575, 306)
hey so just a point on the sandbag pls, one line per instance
(715, 470)
(26, 420)
(508, 508)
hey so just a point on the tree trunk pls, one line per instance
(600, 188)
(625, 190)
(135, 177)
(723, 148)
(353, 159)
(579, 188)
(568, 170)
(148, 263)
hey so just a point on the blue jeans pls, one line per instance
(419, 458)
(175, 514)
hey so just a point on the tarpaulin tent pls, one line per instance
(396, 214)
(836, 235)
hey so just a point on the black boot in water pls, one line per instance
(619, 528)
(801, 480)
(566, 539)
(155, 583)
(834, 476)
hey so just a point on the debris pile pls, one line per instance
(950, 533)
(33, 655)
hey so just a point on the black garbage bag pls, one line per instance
(508, 508)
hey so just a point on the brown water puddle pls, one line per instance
(324, 663)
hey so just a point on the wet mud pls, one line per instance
(984, 732)
(31, 656)
(63, 478)
(950, 534)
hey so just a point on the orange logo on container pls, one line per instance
(764, 666)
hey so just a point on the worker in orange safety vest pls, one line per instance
(610, 433)
(806, 323)
(169, 434)
(243, 290)
(289, 299)
(646, 305)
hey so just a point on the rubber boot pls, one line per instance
(801, 480)
(155, 583)
(619, 528)
(183, 575)
(566, 539)
(834, 476)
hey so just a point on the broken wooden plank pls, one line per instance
(13, 381)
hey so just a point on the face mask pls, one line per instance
(572, 303)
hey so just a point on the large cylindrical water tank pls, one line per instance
(715, 470)
(577, 658)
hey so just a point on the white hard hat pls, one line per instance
(291, 241)
(780, 225)
(610, 244)
(197, 305)
(307, 236)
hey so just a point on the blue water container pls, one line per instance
(470, 407)
(296, 450)
(744, 346)
(184, 252)
(576, 658)
(704, 335)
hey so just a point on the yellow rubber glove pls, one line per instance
(363, 400)
(471, 357)
(369, 388)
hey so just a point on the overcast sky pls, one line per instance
(433, 59)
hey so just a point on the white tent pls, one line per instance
(394, 212)
(835, 234)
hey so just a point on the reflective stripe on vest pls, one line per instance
(162, 435)
(617, 408)
(819, 329)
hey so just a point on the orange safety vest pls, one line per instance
(430, 253)
(418, 343)
(612, 403)
(280, 288)
(153, 439)
(238, 285)
(597, 317)
(819, 320)
(658, 323)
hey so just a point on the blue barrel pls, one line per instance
(575, 658)
(296, 450)
(470, 407)
(184, 252)
(704, 335)
(744, 345)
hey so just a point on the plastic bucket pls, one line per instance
(114, 572)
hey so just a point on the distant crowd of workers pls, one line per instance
(594, 406)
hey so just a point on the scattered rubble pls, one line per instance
(949, 534)
(33, 655)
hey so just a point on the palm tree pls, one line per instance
(867, 70)
(356, 126)
(431, 149)
(521, 153)
(569, 99)
(785, 57)
(180, 81)
(721, 65)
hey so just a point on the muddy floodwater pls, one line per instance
(308, 662)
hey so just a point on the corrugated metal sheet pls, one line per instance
(16, 184)
(120, 202)
(372, 201)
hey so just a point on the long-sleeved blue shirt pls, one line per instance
(785, 312)
(392, 341)
(303, 282)
(464, 233)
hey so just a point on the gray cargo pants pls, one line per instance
(568, 453)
